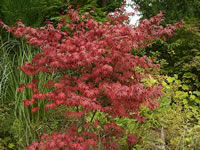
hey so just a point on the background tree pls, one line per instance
(34, 13)
(182, 52)
(174, 9)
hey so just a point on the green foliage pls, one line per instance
(6, 143)
(6, 119)
(32, 13)
(186, 119)
(16, 122)
(181, 54)
(174, 9)
(102, 7)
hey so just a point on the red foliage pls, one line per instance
(70, 141)
(131, 140)
(100, 53)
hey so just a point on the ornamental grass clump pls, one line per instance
(97, 74)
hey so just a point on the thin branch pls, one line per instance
(94, 113)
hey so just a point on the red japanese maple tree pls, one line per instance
(103, 70)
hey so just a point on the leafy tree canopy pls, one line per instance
(174, 9)
(181, 54)
(34, 13)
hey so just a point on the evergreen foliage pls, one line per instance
(181, 53)
(30, 12)
(34, 13)
(174, 9)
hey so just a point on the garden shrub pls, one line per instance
(97, 73)
(177, 117)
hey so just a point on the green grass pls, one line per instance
(26, 127)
